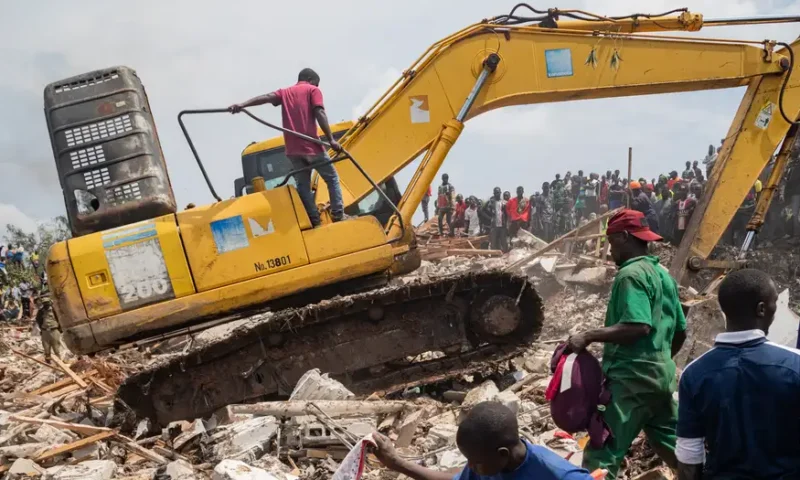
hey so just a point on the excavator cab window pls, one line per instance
(272, 165)
(374, 204)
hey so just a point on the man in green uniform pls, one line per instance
(48, 325)
(645, 327)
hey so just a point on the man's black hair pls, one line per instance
(487, 427)
(742, 290)
(307, 75)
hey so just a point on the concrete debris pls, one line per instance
(23, 467)
(25, 450)
(90, 470)
(313, 386)
(660, 473)
(52, 435)
(179, 470)
(236, 470)
(241, 440)
(301, 432)
(485, 392)
(450, 459)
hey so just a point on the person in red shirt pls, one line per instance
(461, 210)
(301, 110)
(518, 210)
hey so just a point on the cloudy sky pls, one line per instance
(199, 54)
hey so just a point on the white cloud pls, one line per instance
(384, 80)
(9, 214)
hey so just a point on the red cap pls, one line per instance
(633, 222)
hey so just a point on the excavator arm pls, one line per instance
(492, 65)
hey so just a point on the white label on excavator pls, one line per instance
(765, 116)
(420, 109)
(258, 230)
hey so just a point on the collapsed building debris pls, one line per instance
(59, 420)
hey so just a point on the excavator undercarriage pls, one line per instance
(364, 340)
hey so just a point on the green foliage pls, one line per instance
(47, 233)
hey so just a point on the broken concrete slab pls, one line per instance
(25, 450)
(23, 467)
(91, 470)
(408, 427)
(194, 430)
(313, 386)
(483, 393)
(308, 431)
(52, 435)
(242, 440)
(445, 432)
(450, 459)
(179, 470)
(595, 276)
(509, 399)
(236, 470)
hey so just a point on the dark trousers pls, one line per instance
(547, 231)
(425, 201)
(449, 214)
(498, 238)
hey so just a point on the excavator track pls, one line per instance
(364, 340)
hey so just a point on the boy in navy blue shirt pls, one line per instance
(489, 438)
(741, 397)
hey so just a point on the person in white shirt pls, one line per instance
(473, 225)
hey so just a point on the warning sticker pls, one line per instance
(765, 116)
(420, 109)
(229, 234)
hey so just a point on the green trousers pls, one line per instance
(633, 409)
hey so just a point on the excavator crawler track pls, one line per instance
(364, 340)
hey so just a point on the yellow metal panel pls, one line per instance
(131, 266)
(64, 291)
(299, 210)
(239, 295)
(242, 238)
(337, 239)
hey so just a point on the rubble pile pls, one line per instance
(61, 421)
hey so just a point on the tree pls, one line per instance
(47, 233)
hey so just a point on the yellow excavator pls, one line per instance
(139, 268)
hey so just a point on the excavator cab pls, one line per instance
(267, 159)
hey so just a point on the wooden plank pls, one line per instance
(33, 359)
(74, 446)
(131, 446)
(61, 383)
(73, 427)
(557, 242)
(69, 372)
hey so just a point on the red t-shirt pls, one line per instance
(297, 108)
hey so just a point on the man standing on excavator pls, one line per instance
(301, 109)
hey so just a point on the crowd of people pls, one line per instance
(566, 202)
(24, 297)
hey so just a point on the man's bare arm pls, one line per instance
(677, 342)
(255, 101)
(385, 452)
(690, 472)
(621, 334)
(322, 120)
